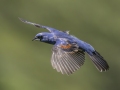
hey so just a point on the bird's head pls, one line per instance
(44, 37)
(38, 37)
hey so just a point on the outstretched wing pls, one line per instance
(39, 26)
(99, 62)
(67, 57)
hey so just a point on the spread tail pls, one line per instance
(99, 62)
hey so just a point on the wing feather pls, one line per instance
(67, 62)
(39, 26)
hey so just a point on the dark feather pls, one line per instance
(99, 62)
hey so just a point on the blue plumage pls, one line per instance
(68, 51)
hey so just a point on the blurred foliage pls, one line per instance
(25, 65)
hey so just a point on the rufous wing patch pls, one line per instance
(68, 46)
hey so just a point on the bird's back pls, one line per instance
(83, 45)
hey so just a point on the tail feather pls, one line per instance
(99, 62)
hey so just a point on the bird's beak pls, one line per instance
(34, 39)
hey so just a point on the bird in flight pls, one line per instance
(68, 52)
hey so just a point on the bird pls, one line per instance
(68, 52)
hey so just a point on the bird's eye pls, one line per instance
(40, 37)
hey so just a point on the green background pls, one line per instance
(25, 65)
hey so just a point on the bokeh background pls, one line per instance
(25, 65)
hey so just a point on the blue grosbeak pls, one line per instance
(68, 52)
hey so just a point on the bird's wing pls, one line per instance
(39, 26)
(66, 57)
(99, 61)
